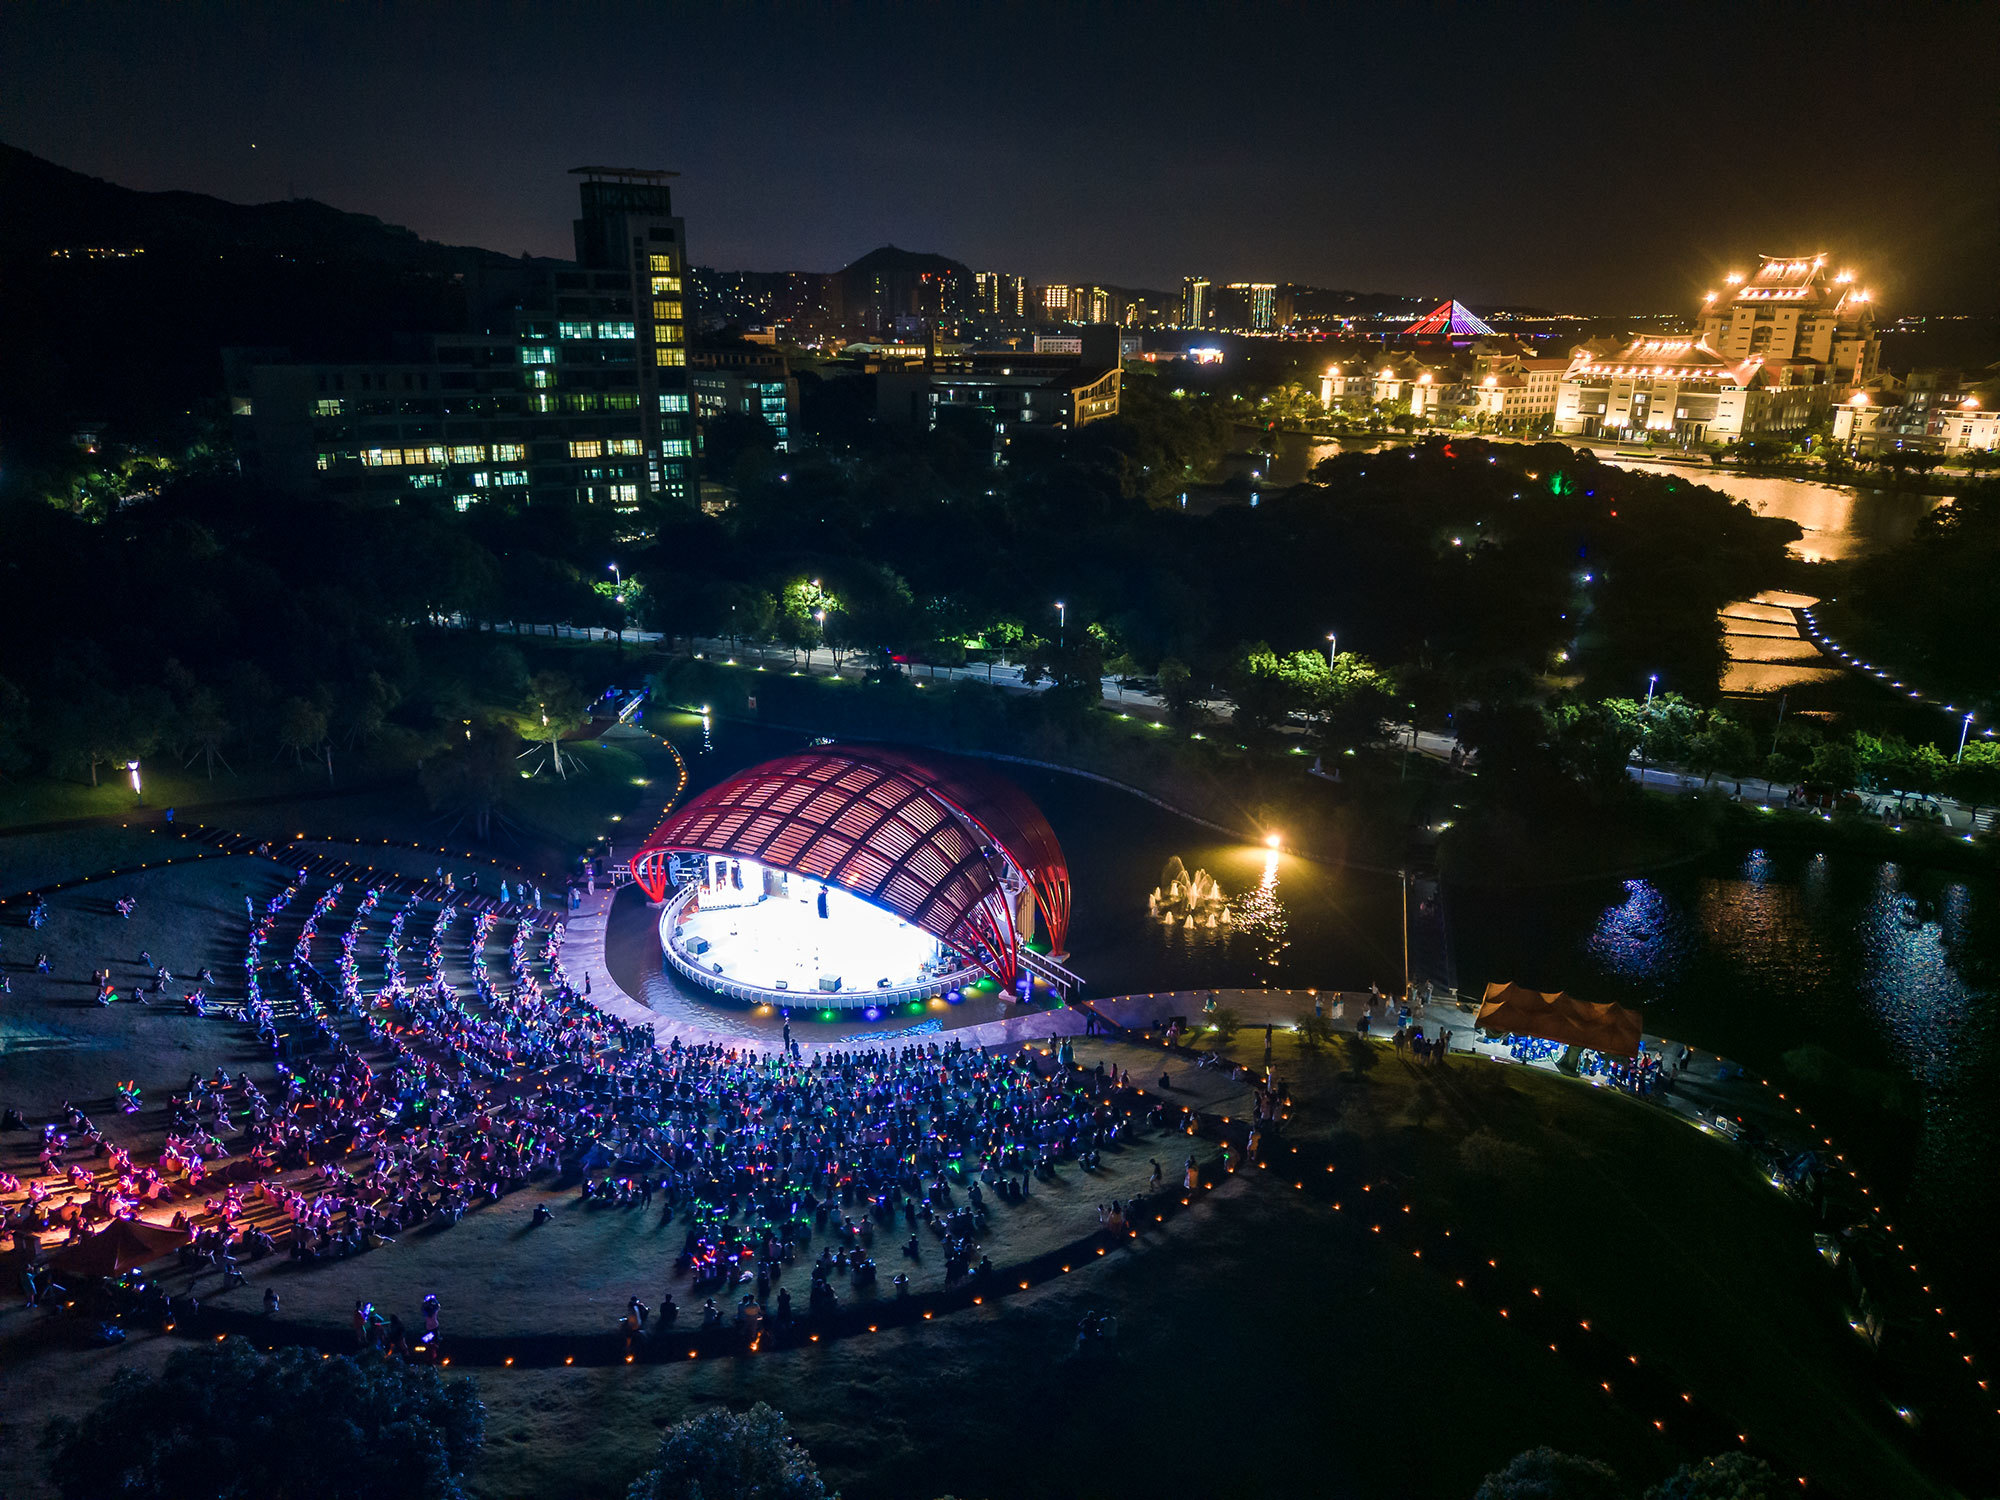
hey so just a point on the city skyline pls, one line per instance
(1358, 168)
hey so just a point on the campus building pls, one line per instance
(1794, 310)
(1769, 357)
(751, 382)
(1025, 397)
(573, 389)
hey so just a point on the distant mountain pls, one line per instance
(45, 208)
(892, 260)
(135, 340)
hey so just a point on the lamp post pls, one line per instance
(1645, 718)
(1332, 649)
(1964, 728)
(1062, 623)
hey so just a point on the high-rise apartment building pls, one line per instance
(1197, 302)
(1251, 305)
(997, 294)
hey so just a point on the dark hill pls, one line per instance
(890, 259)
(45, 208)
(135, 341)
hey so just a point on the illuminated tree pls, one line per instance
(552, 707)
(1975, 778)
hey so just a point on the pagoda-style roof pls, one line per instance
(1672, 357)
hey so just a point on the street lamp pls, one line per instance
(133, 767)
(1964, 729)
(1645, 715)
(1062, 623)
(1332, 647)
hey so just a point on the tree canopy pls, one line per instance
(224, 1420)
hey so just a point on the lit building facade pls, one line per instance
(574, 391)
(1794, 309)
(1769, 356)
(1251, 305)
(1678, 387)
(750, 384)
(1197, 302)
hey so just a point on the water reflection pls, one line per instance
(1641, 937)
(1261, 916)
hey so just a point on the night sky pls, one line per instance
(1588, 157)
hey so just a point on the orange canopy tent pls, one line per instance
(1514, 1010)
(126, 1243)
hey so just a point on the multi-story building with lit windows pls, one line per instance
(570, 387)
(1000, 295)
(1197, 302)
(1251, 305)
(1793, 308)
(1770, 355)
(751, 383)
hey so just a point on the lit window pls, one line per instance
(575, 330)
(541, 380)
(625, 496)
(621, 401)
(670, 357)
(676, 448)
(622, 447)
(468, 454)
(586, 448)
(660, 265)
(481, 479)
(666, 333)
(508, 477)
(330, 407)
(463, 502)
(668, 312)
(666, 286)
(426, 481)
(509, 452)
(673, 401)
(616, 331)
(541, 401)
(381, 458)
(423, 455)
(539, 354)
(323, 461)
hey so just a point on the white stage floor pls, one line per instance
(782, 941)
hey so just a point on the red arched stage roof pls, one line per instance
(925, 836)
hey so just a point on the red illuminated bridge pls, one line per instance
(783, 868)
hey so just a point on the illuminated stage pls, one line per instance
(851, 879)
(779, 935)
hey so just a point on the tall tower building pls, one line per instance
(628, 225)
(1253, 305)
(1197, 302)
